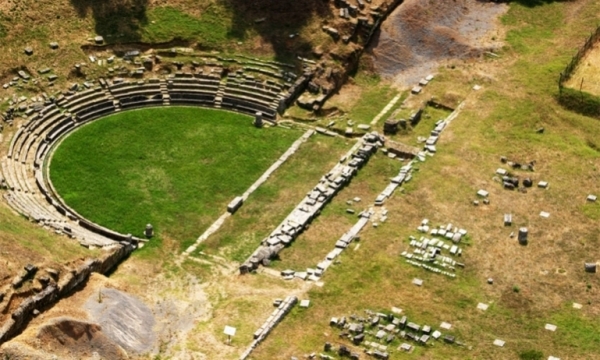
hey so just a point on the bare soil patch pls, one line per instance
(587, 74)
(421, 34)
(123, 318)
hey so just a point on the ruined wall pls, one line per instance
(334, 69)
(55, 291)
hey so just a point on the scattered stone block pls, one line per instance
(449, 339)
(445, 326)
(429, 77)
(396, 310)
(149, 231)
(436, 334)
(30, 268)
(53, 45)
(417, 282)
(304, 303)
(522, 237)
(591, 198)
(301, 275)
(577, 306)
(501, 171)
(28, 51)
(482, 306)
(414, 327)
(390, 126)
(235, 204)
(416, 90)
(99, 40)
(483, 193)
(405, 347)
(553, 358)
(499, 342)
(550, 327)
(258, 119)
(590, 267)
(545, 214)
(543, 184)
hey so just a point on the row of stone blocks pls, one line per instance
(313, 203)
(275, 318)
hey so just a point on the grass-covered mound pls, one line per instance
(176, 168)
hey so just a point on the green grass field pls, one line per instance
(176, 168)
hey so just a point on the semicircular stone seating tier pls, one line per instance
(29, 190)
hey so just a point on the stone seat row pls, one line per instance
(258, 97)
(194, 87)
(21, 195)
(79, 102)
(140, 100)
(247, 106)
(266, 91)
(123, 90)
(195, 98)
(194, 80)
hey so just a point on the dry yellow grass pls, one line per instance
(586, 76)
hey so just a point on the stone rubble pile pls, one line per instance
(436, 254)
(377, 332)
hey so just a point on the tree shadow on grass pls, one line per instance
(121, 21)
(116, 20)
(275, 21)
